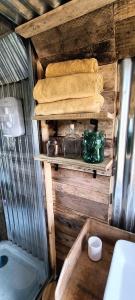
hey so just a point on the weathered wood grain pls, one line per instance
(125, 38)
(82, 205)
(76, 116)
(124, 9)
(90, 36)
(103, 168)
(80, 277)
(65, 13)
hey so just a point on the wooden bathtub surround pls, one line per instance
(82, 279)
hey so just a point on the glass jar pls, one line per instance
(72, 144)
(93, 146)
(52, 148)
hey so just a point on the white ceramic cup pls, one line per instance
(94, 248)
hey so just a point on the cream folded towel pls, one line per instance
(72, 67)
(68, 87)
(90, 104)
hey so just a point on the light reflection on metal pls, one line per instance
(13, 59)
(53, 3)
(130, 197)
(20, 179)
(126, 73)
(26, 9)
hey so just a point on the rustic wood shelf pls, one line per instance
(104, 168)
(79, 116)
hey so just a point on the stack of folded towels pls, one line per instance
(70, 87)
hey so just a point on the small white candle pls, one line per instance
(94, 248)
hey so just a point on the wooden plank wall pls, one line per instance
(78, 195)
(107, 34)
(124, 13)
(92, 35)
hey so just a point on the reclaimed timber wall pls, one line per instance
(92, 35)
(108, 35)
(77, 195)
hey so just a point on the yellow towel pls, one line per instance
(90, 104)
(68, 87)
(72, 67)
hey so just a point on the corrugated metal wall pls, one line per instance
(21, 180)
(13, 59)
(124, 190)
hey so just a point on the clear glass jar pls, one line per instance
(52, 148)
(93, 146)
(72, 144)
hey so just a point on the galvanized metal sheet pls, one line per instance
(21, 183)
(124, 190)
(13, 59)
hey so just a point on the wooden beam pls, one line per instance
(62, 14)
(124, 9)
(50, 215)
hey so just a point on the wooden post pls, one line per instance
(50, 215)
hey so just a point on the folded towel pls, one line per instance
(72, 67)
(90, 104)
(68, 87)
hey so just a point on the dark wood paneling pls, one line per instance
(125, 38)
(89, 36)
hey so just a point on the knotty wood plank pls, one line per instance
(103, 168)
(65, 13)
(125, 38)
(50, 215)
(124, 9)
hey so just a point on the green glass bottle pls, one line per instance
(93, 146)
